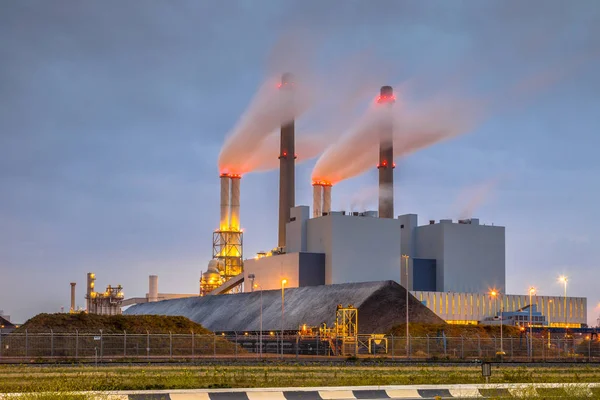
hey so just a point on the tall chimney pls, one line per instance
(73, 296)
(287, 155)
(327, 198)
(386, 154)
(317, 199)
(91, 277)
(235, 203)
(152, 288)
(225, 202)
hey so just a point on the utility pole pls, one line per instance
(405, 258)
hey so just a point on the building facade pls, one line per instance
(462, 256)
(471, 308)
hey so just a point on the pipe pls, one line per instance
(317, 199)
(326, 198)
(91, 277)
(386, 155)
(287, 157)
(152, 288)
(225, 202)
(235, 203)
(73, 296)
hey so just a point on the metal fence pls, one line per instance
(28, 347)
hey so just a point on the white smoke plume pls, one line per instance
(325, 98)
(472, 198)
(367, 198)
(416, 126)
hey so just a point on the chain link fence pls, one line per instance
(24, 347)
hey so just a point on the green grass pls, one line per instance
(150, 377)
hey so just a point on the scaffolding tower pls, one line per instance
(228, 251)
(346, 329)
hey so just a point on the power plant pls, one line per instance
(326, 263)
(104, 303)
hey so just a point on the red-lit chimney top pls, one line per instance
(386, 95)
(287, 81)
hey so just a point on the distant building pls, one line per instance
(6, 326)
(472, 308)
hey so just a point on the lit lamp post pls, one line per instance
(549, 318)
(494, 295)
(531, 293)
(564, 280)
(283, 282)
(405, 258)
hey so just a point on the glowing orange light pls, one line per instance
(531, 290)
(386, 99)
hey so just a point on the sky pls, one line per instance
(113, 114)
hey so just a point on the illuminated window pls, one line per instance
(471, 298)
(447, 303)
(570, 309)
(453, 305)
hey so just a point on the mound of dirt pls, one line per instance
(92, 323)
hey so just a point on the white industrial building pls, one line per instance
(453, 265)
(333, 248)
(447, 256)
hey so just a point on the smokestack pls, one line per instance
(317, 199)
(91, 277)
(152, 288)
(225, 203)
(235, 202)
(287, 155)
(327, 198)
(73, 296)
(386, 154)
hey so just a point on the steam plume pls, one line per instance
(470, 199)
(416, 126)
(326, 98)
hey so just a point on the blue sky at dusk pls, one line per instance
(112, 116)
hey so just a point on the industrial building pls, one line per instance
(108, 302)
(473, 308)
(335, 257)
(447, 256)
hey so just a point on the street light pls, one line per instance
(564, 280)
(256, 286)
(494, 294)
(405, 258)
(531, 293)
(549, 321)
(283, 282)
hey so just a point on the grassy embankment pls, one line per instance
(148, 377)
